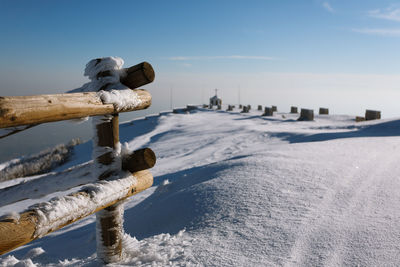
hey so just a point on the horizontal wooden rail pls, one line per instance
(139, 160)
(23, 110)
(15, 232)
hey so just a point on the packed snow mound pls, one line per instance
(237, 189)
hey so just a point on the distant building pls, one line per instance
(215, 101)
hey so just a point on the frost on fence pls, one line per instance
(107, 150)
(61, 210)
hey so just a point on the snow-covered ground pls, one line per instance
(237, 189)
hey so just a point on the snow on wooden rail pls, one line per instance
(46, 217)
(139, 160)
(23, 110)
(30, 110)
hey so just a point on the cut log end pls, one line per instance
(139, 160)
(138, 75)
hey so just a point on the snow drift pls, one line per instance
(237, 189)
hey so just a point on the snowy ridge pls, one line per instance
(237, 189)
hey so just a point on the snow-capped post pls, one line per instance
(110, 220)
(293, 110)
(106, 74)
(274, 109)
(230, 108)
(306, 115)
(323, 111)
(106, 153)
(259, 108)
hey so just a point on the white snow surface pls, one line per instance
(113, 65)
(121, 99)
(96, 66)
(235, 189)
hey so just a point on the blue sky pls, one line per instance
(319, 52)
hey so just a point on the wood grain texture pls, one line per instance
(15, 233)
(24, 110)
(110, 219)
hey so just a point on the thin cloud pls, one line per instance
(328, 7)
(391, 13)
(180, 58)
(381, 32)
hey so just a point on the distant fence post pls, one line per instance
(268, 112)
(293, 110)
(109, 221)
(306, 115)
(245, 109)
(323, 111)
(372, 115)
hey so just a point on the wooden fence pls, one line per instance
(17, 230)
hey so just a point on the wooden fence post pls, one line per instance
(306, 115)
(245, 109)
(268, 112)
(109, 221)
(372, 115)
(323, 111)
